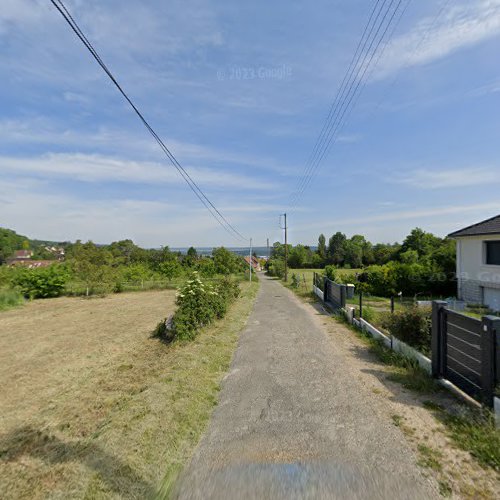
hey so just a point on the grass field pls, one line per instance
(92, 406)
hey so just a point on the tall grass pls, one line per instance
(10, 298)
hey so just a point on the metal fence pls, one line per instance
(465, 351)
(334, 294)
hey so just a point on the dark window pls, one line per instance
(493, 253)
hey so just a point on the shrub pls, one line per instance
(331, 272)
(295, 281)
(411, 325)
(10, 298)
(276, 268)
(42, 282)
(200, 303)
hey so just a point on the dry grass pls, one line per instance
(92, 406)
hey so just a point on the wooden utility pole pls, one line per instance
(286, 250)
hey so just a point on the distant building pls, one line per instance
(255, 263)
(22, 255)
(478, 263)
(58, 252)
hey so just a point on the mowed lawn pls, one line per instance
(92, 406)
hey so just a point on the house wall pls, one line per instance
(472, 272)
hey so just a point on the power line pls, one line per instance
(348, 93)
(347, 97)
(333, 107)
(59, 5)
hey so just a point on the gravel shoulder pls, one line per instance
(296, 419)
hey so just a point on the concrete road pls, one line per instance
(293, 420)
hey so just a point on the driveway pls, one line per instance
(295, 421)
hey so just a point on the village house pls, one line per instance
(478, 263)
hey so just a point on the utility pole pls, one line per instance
(286, 249)
(250, 259)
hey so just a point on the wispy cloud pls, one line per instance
(459, 177)
(432, 38)
(97, 168)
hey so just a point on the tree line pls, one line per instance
(422, 263)
(96, 269)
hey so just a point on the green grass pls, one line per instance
(429, 457)
(475, 432)
(9, 299)
(194, 383)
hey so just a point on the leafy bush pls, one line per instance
(295, 281)
(331, 272)
(411, 325)
(10, 298)
(276, 268)
(200, 303)
(42, 282)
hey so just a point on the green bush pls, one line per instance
(412, 326)
(10, 298)
(295, 281)
(200, 303)
(276, 268)
(41, 283)
(331, 272)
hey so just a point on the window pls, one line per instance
(493, 253)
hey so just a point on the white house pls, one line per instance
(478, 263)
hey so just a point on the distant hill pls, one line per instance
(10, 241)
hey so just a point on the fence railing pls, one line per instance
(465, 351)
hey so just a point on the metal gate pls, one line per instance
(464, 351)
(335, 294)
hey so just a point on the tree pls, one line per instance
(227, 262)
(420, 241)
(322, 246)
(93, 266)
(336, 248)
(10, 241)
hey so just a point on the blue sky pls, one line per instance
(421, 147)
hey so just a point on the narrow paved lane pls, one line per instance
(293, 420)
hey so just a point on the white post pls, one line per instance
(250, 259)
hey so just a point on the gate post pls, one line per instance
(490, 327)
(437, 338)
(325, 288)
(343, 293)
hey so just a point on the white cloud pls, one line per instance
(460, 177)
(461, 26)
(98, 168)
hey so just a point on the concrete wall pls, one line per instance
(472, 271)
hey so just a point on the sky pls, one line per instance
(239, 91)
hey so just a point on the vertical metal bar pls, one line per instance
(360, 304)
(436, 337)
(392, 304)
(490, 325)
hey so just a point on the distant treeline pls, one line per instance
(423, 263)
(89, 268)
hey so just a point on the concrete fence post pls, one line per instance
(437, 338)
(490, 327)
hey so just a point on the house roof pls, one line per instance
(20, 254)
(488, 226)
